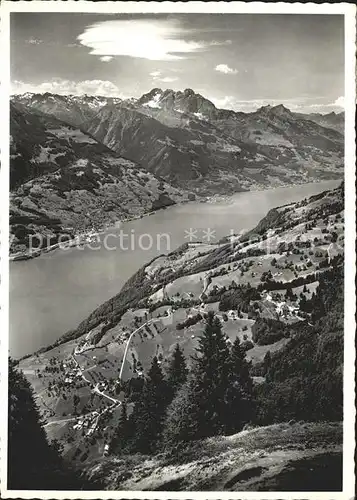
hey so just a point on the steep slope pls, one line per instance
(186, 139)
(65, 183)
(278, 133)
(195, 154)
(183, 102)
(274, 458)
(270, 287)
(38, 465)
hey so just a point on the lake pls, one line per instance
(54, 292)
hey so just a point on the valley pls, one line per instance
(89, 274)
(178, 271)
(262, 286)
(85, 169)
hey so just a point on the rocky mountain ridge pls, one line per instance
(331, 120)
(184, 138)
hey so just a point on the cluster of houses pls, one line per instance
(282, 308)
(88, 422)
(72, 372)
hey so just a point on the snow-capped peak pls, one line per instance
(154, 102)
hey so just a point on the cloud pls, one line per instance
(168, 79)
(224, 68)
(224, 42)
(340, 102)
(156, 40)
(106, 58)
(231, 102)
(326, 107)
(34, 41)
(157, 77)
(60, 86)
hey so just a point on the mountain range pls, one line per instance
(184, 138)
(65, 183)
(81, 162)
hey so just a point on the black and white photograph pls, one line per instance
(177, 250)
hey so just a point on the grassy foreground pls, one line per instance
(294, 456)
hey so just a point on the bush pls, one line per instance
(267, 331)
(189, 322)
(247, 345)
(238, 298)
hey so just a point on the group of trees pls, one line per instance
(33, 463)
(192, 320)
(266, 331)
(305, 379)
(214, 397)
(271, 285)
(238, 298)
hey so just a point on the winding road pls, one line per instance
(154, 320)
(96, 388)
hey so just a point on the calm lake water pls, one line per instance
(54, 292)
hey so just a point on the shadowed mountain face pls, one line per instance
(184, 138)
(65, 182)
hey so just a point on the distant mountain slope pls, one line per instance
(64, 182)
(335, 121)
(275, 130)
(195, 154)
(69, 108)
(183, 137)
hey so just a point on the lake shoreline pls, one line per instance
(89, 236)
(81, 238)
(53, 294)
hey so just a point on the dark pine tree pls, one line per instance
(148, 415)
(122, 432)
(199, 409)
(239, 392)
(266, 363)
(177, 371)
(32, 462)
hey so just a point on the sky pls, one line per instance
(238, 61)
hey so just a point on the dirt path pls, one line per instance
(151, 321)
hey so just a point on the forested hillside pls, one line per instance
(33, 462)
(211, 342)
